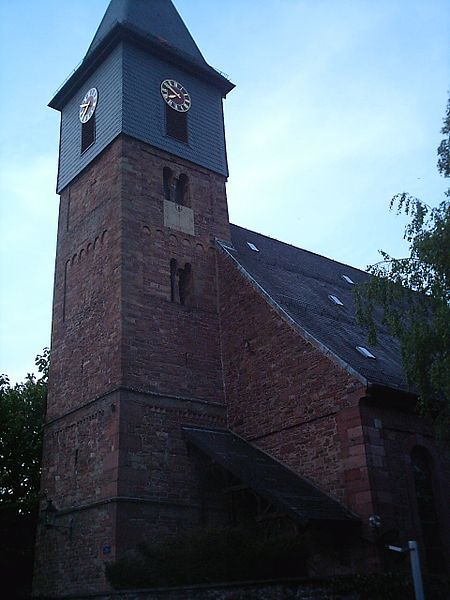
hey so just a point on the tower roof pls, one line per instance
(154, 25)
(156, 19)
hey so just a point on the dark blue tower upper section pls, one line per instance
(139, 44)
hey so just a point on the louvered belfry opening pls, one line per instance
(182, 190)
(87, 134)
(167, 183)
(176, 125)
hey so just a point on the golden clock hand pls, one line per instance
(177, 94)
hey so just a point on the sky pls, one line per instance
(338, 107)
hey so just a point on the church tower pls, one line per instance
(135, 334)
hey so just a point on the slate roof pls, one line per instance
(156, 18)
(273, 481)
(152, 24)
(298, 284)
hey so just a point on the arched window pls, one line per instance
(167, 183)
(422, 466)
(182, 191)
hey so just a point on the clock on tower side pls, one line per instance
(135, 334)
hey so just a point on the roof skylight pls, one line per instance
(335, 299)
(366, 353)
(252, 247)
(348, 279)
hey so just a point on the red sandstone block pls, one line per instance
(363, 497)
(354, 462)
(355, 432)
(357, 450)
(357, 485)
(352, 474)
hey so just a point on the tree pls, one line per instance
(22, 410)
(414, 293)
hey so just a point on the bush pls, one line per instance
(207, 557)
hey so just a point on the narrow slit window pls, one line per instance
(176, 125)
(181, 283)
(252, 247)
(185, 283)
(366, 353)
(87, 134)
(174, 288)
(335, 300)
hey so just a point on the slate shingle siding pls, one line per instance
(144, 110)
(108, 81)
(128, 82)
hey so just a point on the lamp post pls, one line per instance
(416, 571)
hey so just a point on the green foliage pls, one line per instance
(235, 555)
(444, 146)
(22, 409)
(414, 293)
(208, 557)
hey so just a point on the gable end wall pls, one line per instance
(287, 397)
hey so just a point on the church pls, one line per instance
(203, 375)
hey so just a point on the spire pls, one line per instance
(154, 19)
(152, 24)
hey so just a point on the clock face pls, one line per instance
(176, 96)
(88, 105)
